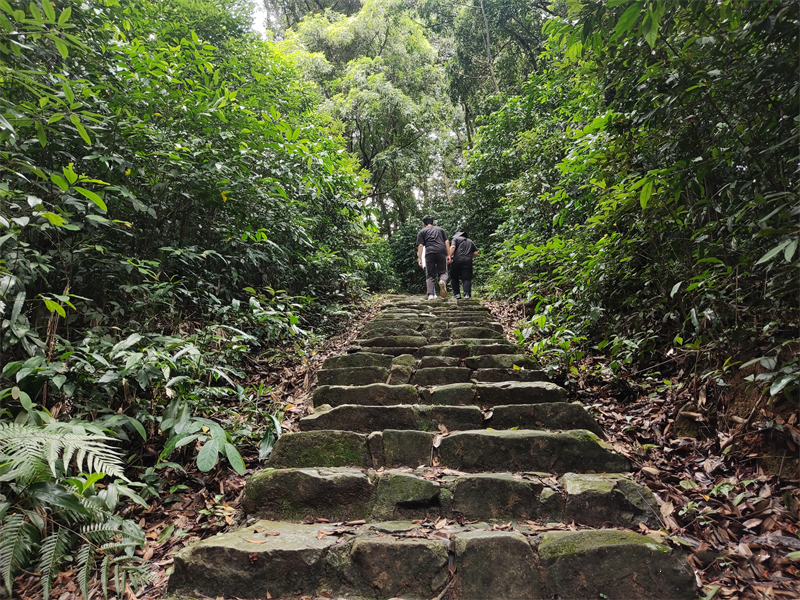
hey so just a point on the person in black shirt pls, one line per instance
(462, 251)
(433, 240)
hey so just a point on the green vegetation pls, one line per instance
(182, 198)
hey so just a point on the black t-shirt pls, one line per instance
(433, 238)
(464, 249)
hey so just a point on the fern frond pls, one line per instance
(85, 565)
(100, 533)
(52, 552)
(22, 445)
(15, 546)
(104, 575)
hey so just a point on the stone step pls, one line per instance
(467, 348)
(278, 559)
(366, 419)
(452, 394)
(472, 451)
(358, 359)
(341, 494)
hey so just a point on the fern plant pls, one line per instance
(51, 515)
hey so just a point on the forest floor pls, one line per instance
(737, 522)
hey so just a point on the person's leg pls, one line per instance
(440, 260)
(466, 278)
(430, 275)
(455, 274)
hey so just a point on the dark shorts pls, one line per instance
(461, 270)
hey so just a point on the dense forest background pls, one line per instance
(180, 194)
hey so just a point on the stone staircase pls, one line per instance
(439, 463)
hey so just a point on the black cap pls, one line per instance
(427, 219)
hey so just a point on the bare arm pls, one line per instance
(419, 253)
(448, 250)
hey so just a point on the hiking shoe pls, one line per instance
(457, 296)
(431, 297)
(442, 289)
(467, 296)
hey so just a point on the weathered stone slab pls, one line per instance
(293, 494)
(403, 495)
(513, 392)
(395, 341)
(453, 418)
(429, 362)
(400, 374)
(495, 496)
(376, 394)
(441, 376)
(465, 350)
(471, 348)
(406, 448)
(454, 394)
(501, 361)
(554, 452)
(388, 567)
(549, 415)
(321, 449)
(478, 342)
(475, 333)
(358, 359)
(361, 419)
(609, 498)
(288, 564)
(495, 564)
(496, 375)
(387, 328)
(404, 360)
(353, 376)
(393, 352)
(614, 564)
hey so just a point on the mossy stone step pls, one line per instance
(470, 451)
(376, 394)
(357, 359)
(466, 349)
(383, 329)
(395, 341)
(498, 375)
(612, 564)
(501, 361)
(441, 376)
(428, 417)
(520, 392)
(366, 419)
(547, 415)
(253, 562)
(486, 333)
(353, 376)
(348, 494)
(392, 351)
(427, 362)
(525, 450)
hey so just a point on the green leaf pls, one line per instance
(55, 307)
(59, 181)
(41, 134)
(629, 18)
(790, 250)
(62, 48)
(81, 129)
(37, 14)
(650, 28)
(93, 197)
(54, 219)
(55, 117)
(780, 383)
(234, 458)
(675, 289)
(49, 11)
(47, 494)
(774, 252)
(647, 191)
(65, 14)
(207, 457)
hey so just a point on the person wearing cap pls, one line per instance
(462, 251)
(432, 240)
